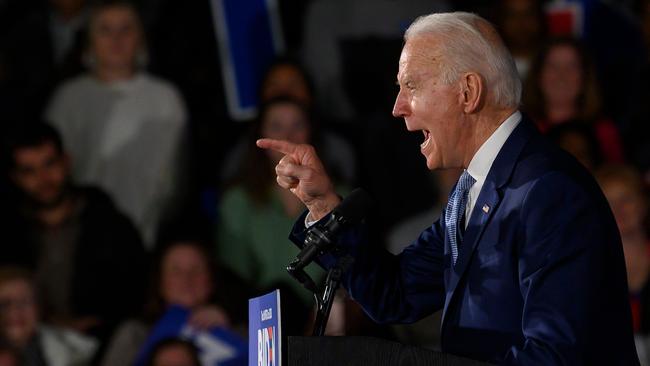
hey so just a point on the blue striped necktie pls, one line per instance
(455, 211)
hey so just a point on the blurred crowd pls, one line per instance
(137, 212)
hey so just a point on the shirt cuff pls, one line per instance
(308, 221)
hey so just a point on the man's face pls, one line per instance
(41, 172)
(428, 105)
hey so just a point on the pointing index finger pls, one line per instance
(284, 147)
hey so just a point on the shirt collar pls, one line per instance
(482, 161)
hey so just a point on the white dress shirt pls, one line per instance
(480, 165)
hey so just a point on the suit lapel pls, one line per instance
(486, 205)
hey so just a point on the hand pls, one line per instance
(209, 316)
(301, 172)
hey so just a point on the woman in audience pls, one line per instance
(183, 276)
(122, 126)
(38, 344)
(255, 214)
(286, 78)
(562, 87)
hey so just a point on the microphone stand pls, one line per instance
(332, 283)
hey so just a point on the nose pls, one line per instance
(400, 109)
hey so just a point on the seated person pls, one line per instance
(185, 290)
(20, 327)
(562, 87)
(174, 352)
(255, 213)
(286, 78)
(86, 256)
(124, 127)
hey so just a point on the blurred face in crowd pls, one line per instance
(18, 312)
(562, 75)
(115, 38)
(174, 355)
(521, 24)
(286, 80)
(427, 104)
(41, 172)
(628, 205)
(285, 121)
(186, 278)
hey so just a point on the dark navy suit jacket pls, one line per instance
(540, 278)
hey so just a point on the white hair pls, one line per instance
(470, 43)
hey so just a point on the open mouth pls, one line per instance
(427, 139)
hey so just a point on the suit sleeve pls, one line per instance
(567, 254)
(391, 289)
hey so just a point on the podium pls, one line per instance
(362, 351)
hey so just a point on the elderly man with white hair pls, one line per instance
(525, 261)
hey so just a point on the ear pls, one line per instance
(472, 92)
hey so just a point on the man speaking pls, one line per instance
(526, 260)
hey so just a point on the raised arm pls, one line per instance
(302, 172)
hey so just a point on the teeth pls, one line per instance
(427, 138)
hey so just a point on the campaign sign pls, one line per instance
(264, 330)
(249, 36)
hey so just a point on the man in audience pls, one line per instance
(87, 257)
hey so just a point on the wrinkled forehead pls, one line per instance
(422, 54)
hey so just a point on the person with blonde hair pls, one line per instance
(124, 127)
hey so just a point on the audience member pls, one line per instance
(123, 126)
(522, 25)
(254, 212)
(183, 276)
(87, 257)
(174, 352)
(38, 344)
(43, 48)
(625, 192)
(561, 87)
(287, 78)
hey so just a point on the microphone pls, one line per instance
(322, 237)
